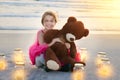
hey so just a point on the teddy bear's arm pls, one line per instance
(73, 50)
(50, 35)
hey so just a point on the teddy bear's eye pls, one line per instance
(70, 37)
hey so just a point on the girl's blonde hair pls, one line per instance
(49, 13)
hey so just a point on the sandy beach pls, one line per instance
(19, 20)
(94, 43)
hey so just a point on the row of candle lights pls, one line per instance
(19, 72)
(18, 57)
(78, 70)
(104, 68)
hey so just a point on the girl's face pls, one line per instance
(49, 22)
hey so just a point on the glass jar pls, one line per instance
(99, 58)
(19, 73)
(18, 56)
(84, 54)
(78, 72)
(105, 70)
(78, 66)
(105, 60)
(101, 54)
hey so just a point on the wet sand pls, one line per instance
(94, 43)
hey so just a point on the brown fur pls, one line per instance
(58, 51)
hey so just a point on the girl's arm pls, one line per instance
(40, 37)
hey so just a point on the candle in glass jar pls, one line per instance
(105, 70)
(18, 56)
(19, 73)
(3, 62)
(99, 57)
(78, 72)
(84, 55)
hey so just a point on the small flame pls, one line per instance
(105, 71)
(19, 74)
(3, 64)
(78, 75)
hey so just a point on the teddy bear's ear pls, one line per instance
(71, 19)
(86, 32)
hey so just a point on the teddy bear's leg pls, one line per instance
(51, 60)
(71, 61)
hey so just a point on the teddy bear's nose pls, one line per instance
(72, 39)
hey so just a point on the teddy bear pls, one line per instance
(62, 49)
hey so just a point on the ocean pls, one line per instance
(26, 14)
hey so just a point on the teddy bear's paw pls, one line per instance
(53, 65)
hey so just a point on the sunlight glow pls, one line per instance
(115, 8)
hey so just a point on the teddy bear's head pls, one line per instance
(74, 30)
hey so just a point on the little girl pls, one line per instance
(37, 50)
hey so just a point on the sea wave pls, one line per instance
(35, 31)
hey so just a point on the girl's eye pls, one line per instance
(52, 21)
(46, 21)
(49, 20)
